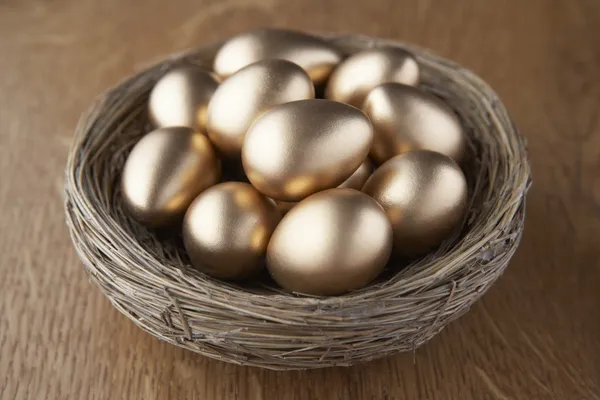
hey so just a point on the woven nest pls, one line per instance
(147, 275)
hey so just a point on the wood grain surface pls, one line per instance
(535, 335)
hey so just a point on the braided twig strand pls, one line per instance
(147, 276)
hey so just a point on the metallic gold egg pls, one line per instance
(424, 194)
(355, 181)
(180, 98)
(406, 118)
(360, 73)
(317, 57)
(330, 243)
(227, 228)
(165, 171)
(299, 148)
(249, 92)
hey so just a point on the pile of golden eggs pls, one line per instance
(312, 208)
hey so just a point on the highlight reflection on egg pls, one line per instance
(424, 194)
(180, 98)
(360, 73)
(299, 148)
(313, 54)
(227, 228)
(332, 242)
(249, 92)
(406, 118)
(165, 171)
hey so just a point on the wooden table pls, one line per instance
(536, 334)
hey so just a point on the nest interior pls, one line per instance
(147, 275)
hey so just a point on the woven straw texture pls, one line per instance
(147, 275)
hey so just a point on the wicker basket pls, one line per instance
(147, 275)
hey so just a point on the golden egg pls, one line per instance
(406, 118)
(356, 181)
(317, 57)
(424, 194)
(331, 242)
(227, 228)
(299, 148)
(249, 92)
(180, 98)
(165, 171)
(354, 78)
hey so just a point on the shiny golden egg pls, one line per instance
(299, 148)
(360, 73)
(227, 228)
(180, 98)
(355, 181)
(317, 57)
(330, 243)
(424, 194)
(164, 172)
(249, 92)
(406, 118)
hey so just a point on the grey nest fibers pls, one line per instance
(147, 275)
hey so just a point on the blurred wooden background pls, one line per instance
(534, 335)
